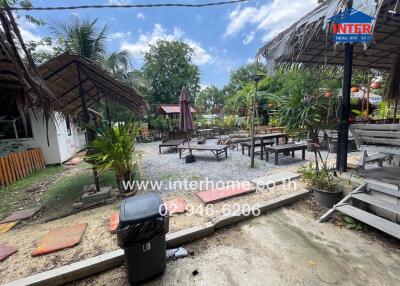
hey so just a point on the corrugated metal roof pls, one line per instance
(171, 109)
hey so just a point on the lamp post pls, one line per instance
(257, 79)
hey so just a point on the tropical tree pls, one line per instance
(210, 99)
(83, 37)
(168, 67)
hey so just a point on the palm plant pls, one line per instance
(82, 37)
(114, 148)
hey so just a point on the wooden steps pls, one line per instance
(375, 201)
(382, 198)
(370, 219)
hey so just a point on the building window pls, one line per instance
(68, 123)
(11, 123)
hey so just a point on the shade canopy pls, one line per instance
(308, 41)
(185, 119)
(65, 73)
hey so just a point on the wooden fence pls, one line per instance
(16, 166)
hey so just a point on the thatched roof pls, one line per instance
(63, 74)
(171, 109)
(19, 77)
(309, 40)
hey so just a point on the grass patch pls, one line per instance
(13, 196)
(68, 189)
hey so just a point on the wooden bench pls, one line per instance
(284, 148)
(383, 140)
(219, 151)
(257, 144)
(170, 144)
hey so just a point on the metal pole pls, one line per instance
(343, 139)
(252, 124)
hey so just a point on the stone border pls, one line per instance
(101, 263)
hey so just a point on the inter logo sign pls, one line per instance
(351, 26)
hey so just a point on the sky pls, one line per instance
(223, 38)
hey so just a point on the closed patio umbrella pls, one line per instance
(185, 117)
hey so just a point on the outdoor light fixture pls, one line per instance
(328, 94)
(355, 89)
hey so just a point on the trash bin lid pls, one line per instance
(140, 208)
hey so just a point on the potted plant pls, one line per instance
(320, 181)
(114, 148)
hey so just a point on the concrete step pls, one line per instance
(375, 201)
(370, 219)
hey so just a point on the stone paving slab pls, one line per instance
(60, 238)
(176, 206)
(114, 221)
(276, 179)
(20, 215)
(73, 161)
(6, 227)
(6, 251)
(221, 194)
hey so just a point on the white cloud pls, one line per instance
(119, 35)
(249, 37)
(269, 19)
(139, 48)
(141, 16)
(119, 2)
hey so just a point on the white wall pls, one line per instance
(61, 146)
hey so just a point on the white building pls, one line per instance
(65, 138)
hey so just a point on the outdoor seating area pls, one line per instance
(189, 151)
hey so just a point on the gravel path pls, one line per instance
(167, 167)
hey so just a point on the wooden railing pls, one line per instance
(15, 166)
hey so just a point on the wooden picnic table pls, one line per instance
(219, 151)
(267, 137)
(170, 144)
(247, 144)
(284, 148)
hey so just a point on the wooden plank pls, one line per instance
(375, 201)
(326, 216)
(381, 149)
(34, 159)
(10, 169)
(26, 162)
(21, 162)
(14, 165)
(42, 158)
(2, 176)
(386, 127)
(382, 187)
(385, 141)
(39, 154)
(5, 171)
(370, 219)
(385, 134)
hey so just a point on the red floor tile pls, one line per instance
(176, 206)
(217, 195)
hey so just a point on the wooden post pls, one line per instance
(86, 118)
(343, 139)
(257, 80)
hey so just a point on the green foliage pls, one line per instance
(83, 37)
(242, 76)
(321, 180)
(300, 107)
(168, 67)
(384, 112)
(352, 223)
(210, 98)
(318, 175)
(114, 148)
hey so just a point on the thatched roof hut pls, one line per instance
(308, 41)
(19, 77)
(67, 73)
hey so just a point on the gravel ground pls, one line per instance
(167, 167)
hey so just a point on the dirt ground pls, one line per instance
(97, 239)
(284, 247)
